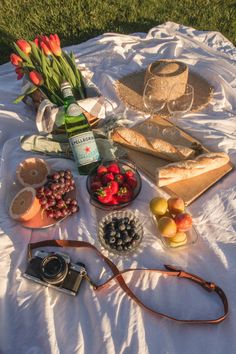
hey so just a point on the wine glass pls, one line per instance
(178, 106)
(154, 99)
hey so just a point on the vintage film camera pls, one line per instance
(55, 270)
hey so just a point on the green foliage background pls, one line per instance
(78, 20)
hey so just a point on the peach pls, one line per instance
(183, 221)
(179, 239)
(167, 226)
(176, 205)
(158, 206)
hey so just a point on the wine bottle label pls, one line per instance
(67, 92)
(73, 110)
(84, 148)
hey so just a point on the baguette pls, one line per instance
(182, 170)
(156, 147)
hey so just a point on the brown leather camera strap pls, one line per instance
(117, 275)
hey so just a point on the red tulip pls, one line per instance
(24, 46)
(20, 73)
(55, 38)
(36, 78)
(16, 59)
(54, 44)
(45, 48)
(36, 41)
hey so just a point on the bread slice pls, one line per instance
(153, 146)
(182, 170)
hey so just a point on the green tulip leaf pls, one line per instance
(35, 52)
(27, 92)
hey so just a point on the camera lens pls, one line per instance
(53, 269)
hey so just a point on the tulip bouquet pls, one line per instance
(46, 66)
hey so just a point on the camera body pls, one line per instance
(55, 270)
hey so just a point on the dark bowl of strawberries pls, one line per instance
(113, 184)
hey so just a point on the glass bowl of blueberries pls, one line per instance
(120, 232)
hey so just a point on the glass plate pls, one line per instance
(192, 237)
(120, 214)
(40, 220)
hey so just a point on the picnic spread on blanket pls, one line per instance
(117, 181)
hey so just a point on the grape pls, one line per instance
(57, 214)
(50, 214)
(53, 187)
(58, 196)
(73, 208)
(64, 212)
(52, 196)
(43, 200)
(56, 176)
(60, 204)
(68, 182)
(48, 192)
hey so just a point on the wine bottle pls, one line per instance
(80, 135)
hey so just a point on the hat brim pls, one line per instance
(130, 90)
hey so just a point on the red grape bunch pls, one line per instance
(53, 195)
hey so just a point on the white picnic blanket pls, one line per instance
(39, 320)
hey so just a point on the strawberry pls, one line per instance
(129, 173)
(132, 182)
(104, 195)
(113, 186)
(114, 200)
(95, 185)
(108, 177)
(96, 178)
(124, 195)
(101, 170)
(113, 168)
(119, 178)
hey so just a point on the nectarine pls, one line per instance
(167, 226)
(176, 205)
(183, 221)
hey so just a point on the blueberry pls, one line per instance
(126, 238)
(136, 237)
(126, 220)
(119, 242)
(118, 234)
(132, 233)
(113, 233)
(129, 246)
(132, 223)
(114, 219)
(124, 233)
(112, 240)
(119, 248)
(107, 235)
(128, 227)
(125, 248)
(122, 227)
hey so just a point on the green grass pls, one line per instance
(78, 20)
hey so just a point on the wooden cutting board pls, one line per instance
(189, 189)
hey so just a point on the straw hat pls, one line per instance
(166, 72)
